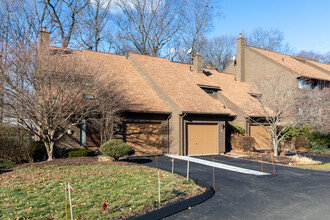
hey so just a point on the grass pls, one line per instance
(5, 163)
(39, 193)
(322, 167)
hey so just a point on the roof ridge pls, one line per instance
(147, 55)
(287, 55)
(114, 54)
(268, 50)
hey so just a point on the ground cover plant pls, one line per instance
(322, 167)
(5, 163)
(38, 193)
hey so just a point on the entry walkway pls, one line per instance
(218, 165)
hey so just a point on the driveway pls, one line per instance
(292, 194)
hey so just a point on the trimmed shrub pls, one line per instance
(243, 143)
(80, 152)
(37, 151)
(116, 148)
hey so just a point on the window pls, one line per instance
(210, 91)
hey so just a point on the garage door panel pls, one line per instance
(144, 138)
(202, 139)
(261, 135)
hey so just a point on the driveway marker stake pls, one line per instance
(213, 176)
(261, 165)
(187, 170)
(66, 201)
(70, 201)
(156, 158)
(158, 188)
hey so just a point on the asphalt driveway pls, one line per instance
(291, 194)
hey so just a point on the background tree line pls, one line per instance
(167, 28)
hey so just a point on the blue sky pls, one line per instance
(304, 23)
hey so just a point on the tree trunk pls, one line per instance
(49, 148)
(275, 145)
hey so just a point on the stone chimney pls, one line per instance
(43, 40)
(198, 63)
(240, 58)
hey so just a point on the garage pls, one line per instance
(202, 139)
(261, 135)
(144, 138)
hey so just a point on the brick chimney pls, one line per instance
(198, 63)
(240, 58)
(43, 40)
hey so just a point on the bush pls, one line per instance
(319, 143)
(316, 147)
(235, 129)
(80, 152)
(301, 142)
(243, 143)
(116, 148)
(297, 131)
(37, 151)
(14, 143)
(322, 139)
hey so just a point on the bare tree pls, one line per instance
(312, 55)
(317, 109)
(197, 20)
(65, 15)
(283, 108)
(219, 51)
(148, 25)
(272, 39)
(95, 18)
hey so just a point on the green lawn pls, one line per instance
(323, 167)
(38, 193)
(5, 163)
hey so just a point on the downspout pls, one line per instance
(182, 136)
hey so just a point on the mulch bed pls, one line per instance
(284, 160)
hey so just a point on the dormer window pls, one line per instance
(211, 90)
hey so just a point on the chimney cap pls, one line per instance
(240, 35)
(44, 28)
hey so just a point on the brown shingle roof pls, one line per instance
(238, 92)
(293, 64)
(180, 84)
(140, 96)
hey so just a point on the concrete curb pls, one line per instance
(172, 208)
